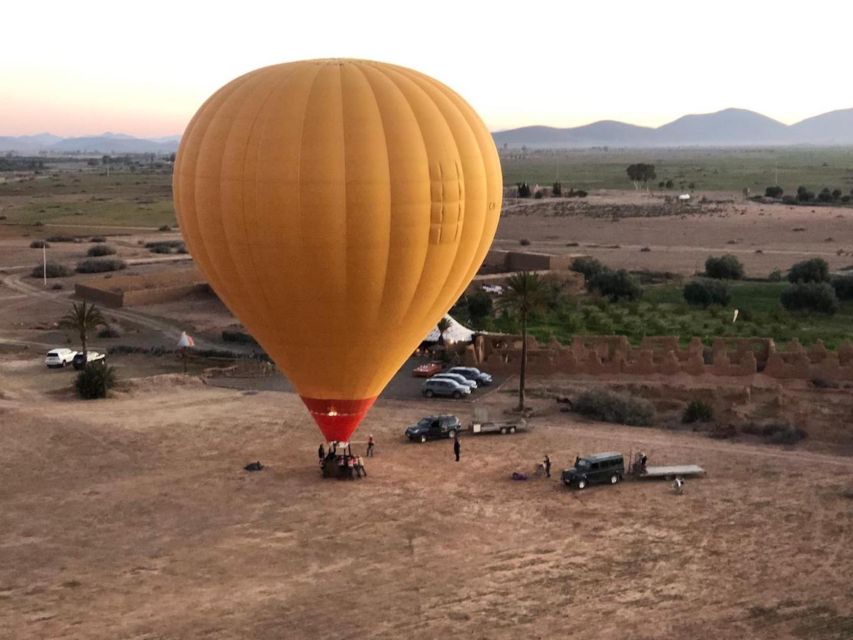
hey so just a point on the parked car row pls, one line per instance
(456, 382)
(58, 358)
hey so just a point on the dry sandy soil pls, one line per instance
(132, 518)
(615, 226)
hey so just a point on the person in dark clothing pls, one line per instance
(370, 444)
(457, 447)
(547, 465)
(321, 452)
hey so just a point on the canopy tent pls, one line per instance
(454, 333)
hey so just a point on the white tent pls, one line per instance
(454, 333)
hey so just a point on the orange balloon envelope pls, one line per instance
(338, 208)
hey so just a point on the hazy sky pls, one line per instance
(77, 68)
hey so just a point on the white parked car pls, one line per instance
(59, 357)
(91, 356)
(456, 378)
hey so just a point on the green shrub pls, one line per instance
(616, 285)
(479, 305)
(589, 267)
(843, 286)
(51, 270)
(726, 267)
(814, 270)
(100, 250)
(704, 293)
(774, 192)
(524, 242)
(775, 276)
(100, 265)
(697, 411)
(608, 406)
(164, 227)
(39, 244)
(812, 296)
(776, 433)
(94, 381)
(523, 190)
(61, 239)
(97, 239)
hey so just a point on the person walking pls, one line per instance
(370, 444)
(547, 464)
(321, 452)
(457, 447)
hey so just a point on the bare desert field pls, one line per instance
(636, 230)
(132, 518)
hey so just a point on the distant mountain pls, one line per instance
(835, 127)
(105, 143)
(730, 127)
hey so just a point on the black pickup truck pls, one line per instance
(433, 428)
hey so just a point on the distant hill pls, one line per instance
(105, 143)
(730, 127)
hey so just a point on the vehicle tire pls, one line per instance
(457, 395)
(503, 431)
(614, 478)
(423, 438)
(512, 429)
(451, 434)
(581, 484)
(429, 393)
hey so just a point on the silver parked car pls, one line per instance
(472, 373)
(458, 378)
(444, 387)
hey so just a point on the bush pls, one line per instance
(61, 239)
(230, 335)
(479, 306)
(97, 239)
(608, 406)
(616, 285)
(697, 411)
(100, 265)
(524, 242)
(100, 250)
(843, 286)
(812, 296)
(804, 195)
(814, 270)
(775, 276)
(164, 227)
(557, 189)
(109, 332)
(589, 267)
(56, 286)
(94, 381)
(39, 244)
(52, 270)
(523, 190)
(539, 194)
(726, 267)
(776, 433)
(704, 293)
(774, 192)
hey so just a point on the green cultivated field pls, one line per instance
(662, 311)
(708, 169)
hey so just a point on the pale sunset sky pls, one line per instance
(143, 68)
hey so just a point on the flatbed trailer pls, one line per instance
(480, 428)
(657, 473)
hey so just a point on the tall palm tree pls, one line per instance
(82, 318)
(525, 293)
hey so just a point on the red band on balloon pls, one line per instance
(338, 419)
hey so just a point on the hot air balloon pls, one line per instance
(338, 208)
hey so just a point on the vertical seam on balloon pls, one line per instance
(251, 254)
(382, 124)
(205, 249)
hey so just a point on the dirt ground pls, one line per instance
(615, 227)
(132, 518)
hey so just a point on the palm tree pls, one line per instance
(82, 318)
(525, 293)
(443, 325)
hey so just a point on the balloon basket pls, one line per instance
(342, 467)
